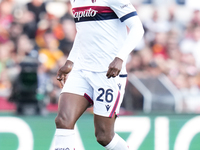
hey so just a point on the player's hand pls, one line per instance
(114, 68)
(63, 71)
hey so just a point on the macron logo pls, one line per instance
(86, 13)
(119, 85)
(107, 107)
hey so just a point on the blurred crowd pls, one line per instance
(35, 30)
(45, 31)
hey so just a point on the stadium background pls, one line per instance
(162, 101)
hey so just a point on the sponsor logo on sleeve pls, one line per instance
(126, 5)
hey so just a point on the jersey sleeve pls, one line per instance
(123, 9)
(135, 35)
(75, 50)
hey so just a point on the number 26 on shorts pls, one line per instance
(105, 94)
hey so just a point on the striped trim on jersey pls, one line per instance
(115, 105)
(128, 16)
(96, 13)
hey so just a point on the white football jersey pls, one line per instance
(101, 32)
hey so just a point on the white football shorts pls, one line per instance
(104, 94)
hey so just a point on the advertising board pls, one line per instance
(142, 132)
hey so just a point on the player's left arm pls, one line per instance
(135, 35)
(136, 32)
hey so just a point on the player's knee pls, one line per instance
(103, 138)
(63, 122)
(60, 122)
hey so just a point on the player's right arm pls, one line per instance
(67, 67)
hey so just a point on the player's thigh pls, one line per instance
(72, 102)
(70, 108)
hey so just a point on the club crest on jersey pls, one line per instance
(86, 13)
(93, 1)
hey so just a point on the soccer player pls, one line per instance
(96, 68)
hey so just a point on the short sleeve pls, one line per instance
(123, 9)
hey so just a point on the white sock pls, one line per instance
(65, 139)
(117, 143)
